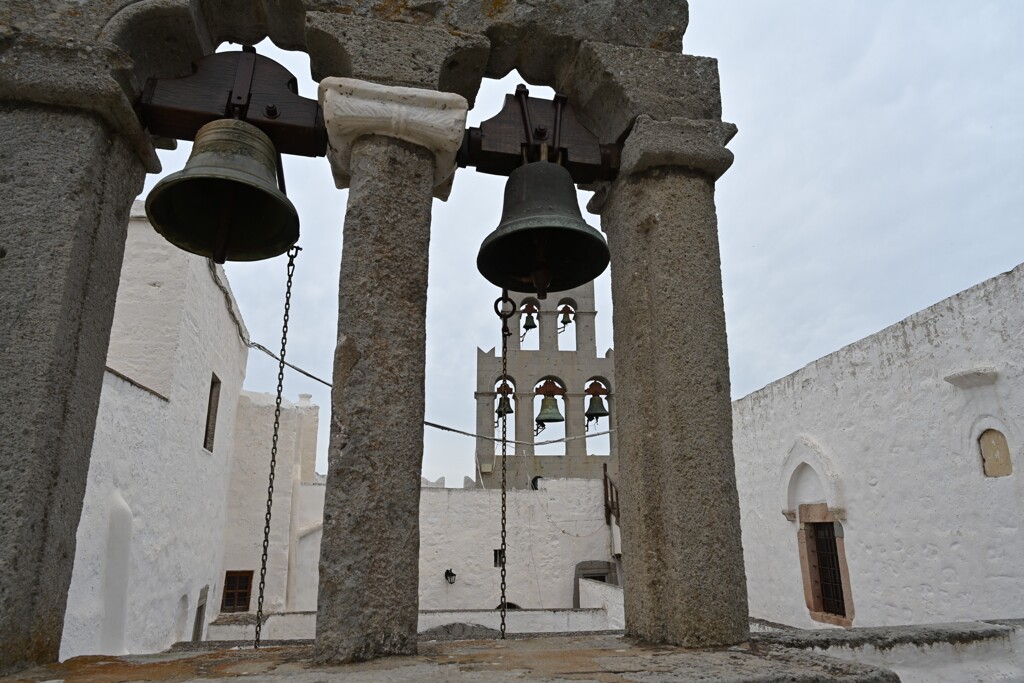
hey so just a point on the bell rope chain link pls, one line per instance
(292, 253)
(499, 308)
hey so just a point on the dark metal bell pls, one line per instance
(542, 243)
(596, 409)
(529, 323)
(504, 407)
(549, 411)
(225, 204)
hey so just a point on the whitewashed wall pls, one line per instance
(549, 532)
(151, 529)
(297, 512)
(885, 437)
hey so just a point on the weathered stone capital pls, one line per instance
(698, 145)
(66, 75)
(433, 120)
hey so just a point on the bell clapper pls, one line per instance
(539, 428)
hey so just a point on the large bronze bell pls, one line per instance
(542, 243)
(549, 411)
(596, 409)
(225, 204)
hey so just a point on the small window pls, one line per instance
(211, 413)
(830, 580)
(823, 566)
(237, 590)
(995, 454)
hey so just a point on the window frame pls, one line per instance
(810, 568)
(234, 592)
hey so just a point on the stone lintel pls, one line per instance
(433, 120)
(610, 86)
(65, 75)
(973, 378)
(395, 54)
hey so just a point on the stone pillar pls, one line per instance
(394, 147)
(485, 405)
(547, 326)
(680, 509)
(524, 422)
(574, 423)
(67, 181)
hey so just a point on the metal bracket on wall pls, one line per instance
(516, 134)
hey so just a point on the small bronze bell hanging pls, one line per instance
(529, 323)
(596, 409)
(549, 411)
(504, 407)
(542, 243)
(225, 204)
(566, 312)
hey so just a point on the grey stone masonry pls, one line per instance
(680, 510)
(66, 186)
(367, 605)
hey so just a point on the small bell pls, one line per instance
(549, 411)
(225, 204)
(596, 409)
(566, 315)
(504, 407)
(529, 323)
(542, 243)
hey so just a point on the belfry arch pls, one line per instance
(76, 76)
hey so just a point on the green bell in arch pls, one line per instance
(549, 411)
(504, 407)
(596, 409)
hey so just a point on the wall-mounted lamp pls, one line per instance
(449, 576)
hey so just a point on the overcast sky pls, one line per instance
(879, 169)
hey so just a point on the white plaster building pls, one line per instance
(901, 444)
(890, 437)
(178, 470)
(149, 543)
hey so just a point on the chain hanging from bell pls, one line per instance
(226, 204)
(542, 244)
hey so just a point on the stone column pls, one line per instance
(680, 509)
(524, 422)
(575, 406)
(485, 425)
(67, 180)
(393, 146)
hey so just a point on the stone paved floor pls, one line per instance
(564, 659)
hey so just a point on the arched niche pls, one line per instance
(809, 470)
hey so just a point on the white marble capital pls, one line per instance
(433, 120)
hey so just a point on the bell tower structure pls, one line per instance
(571, 312)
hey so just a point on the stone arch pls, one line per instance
(161, 38)
(807, 452)
(116, 576)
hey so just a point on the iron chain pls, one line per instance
(505, 334)
(292, 253)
